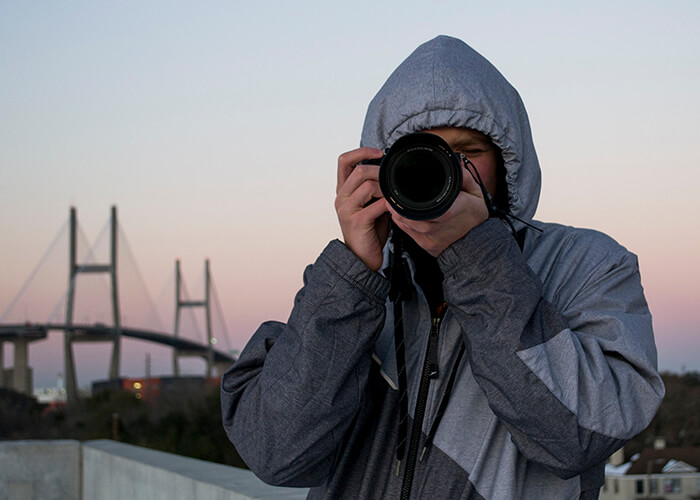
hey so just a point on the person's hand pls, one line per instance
(434, 236)
(360, 206)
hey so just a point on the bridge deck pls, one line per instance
(100, 333)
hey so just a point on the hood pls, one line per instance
(445, 82)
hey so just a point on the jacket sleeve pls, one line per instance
(293, 392)
(572, 377)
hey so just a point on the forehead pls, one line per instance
(460, 136)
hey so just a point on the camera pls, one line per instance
(420, 176)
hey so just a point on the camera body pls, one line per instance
(420, 176)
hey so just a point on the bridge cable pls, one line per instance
(139, 276)
(23, 289)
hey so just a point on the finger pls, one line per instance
(348, 160)
(368, 192)
(375, 209)
(420, 239)
(419, 227)
(402, 225)
(359, 174)
(348, 203)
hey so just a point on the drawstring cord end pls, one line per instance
(420, 459)
(398, 466)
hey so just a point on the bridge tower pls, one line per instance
(183, 304)
(71, 335)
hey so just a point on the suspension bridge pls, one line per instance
(23, 333)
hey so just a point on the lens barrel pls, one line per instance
(420, 176)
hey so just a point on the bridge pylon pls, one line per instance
(183, 304)
(71, 335)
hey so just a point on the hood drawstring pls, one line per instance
(444, 400)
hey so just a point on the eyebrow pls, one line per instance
(474, 141)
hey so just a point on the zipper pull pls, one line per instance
(434, 371)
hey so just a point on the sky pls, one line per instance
(215, 129)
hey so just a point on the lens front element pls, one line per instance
(420, 176)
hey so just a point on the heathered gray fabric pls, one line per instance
(290, 398)
(560, 365)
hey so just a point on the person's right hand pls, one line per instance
(361, 207)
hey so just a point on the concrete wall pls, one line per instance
(108, 470)
(114, 470)
(46, 470)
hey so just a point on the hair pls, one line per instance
(501, 200)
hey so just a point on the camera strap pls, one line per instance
(398, 290)
(494, 211)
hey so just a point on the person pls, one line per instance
(525, 352)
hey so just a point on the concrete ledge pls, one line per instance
(50, 470)
(114, 470)
(106, 470)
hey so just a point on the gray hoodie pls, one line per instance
(558, 367)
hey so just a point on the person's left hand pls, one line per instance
(434, 236)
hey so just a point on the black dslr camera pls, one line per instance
(420, 176)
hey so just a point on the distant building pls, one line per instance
(654, 474)
(148, 388)
(51, 395)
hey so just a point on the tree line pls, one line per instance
(187, 421)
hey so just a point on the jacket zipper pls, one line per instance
(430, 371)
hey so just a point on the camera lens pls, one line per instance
(417, 177)
(420, 176)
